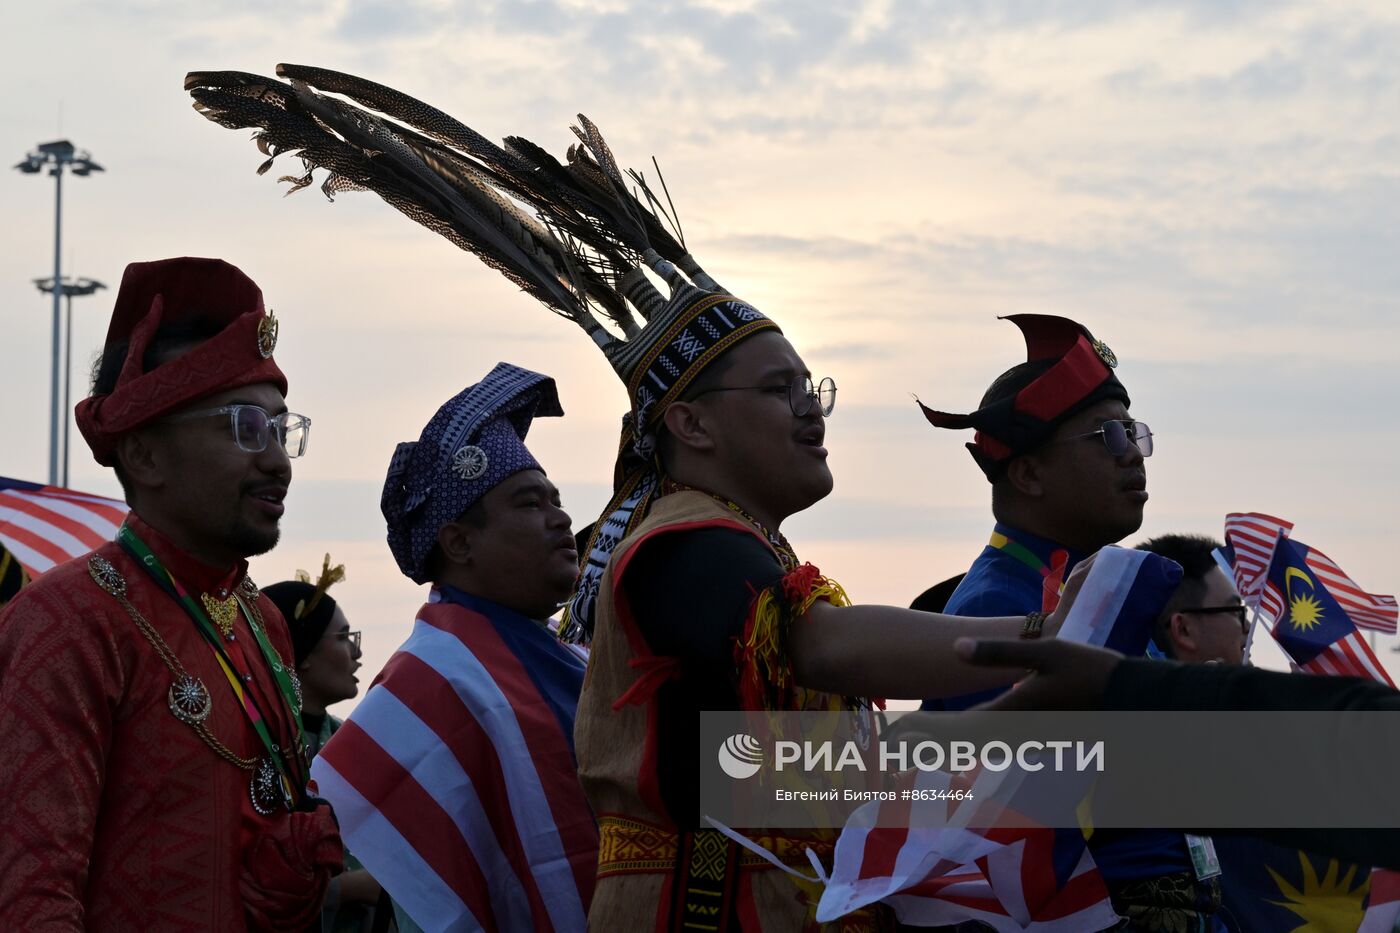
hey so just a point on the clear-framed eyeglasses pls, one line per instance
(1121, 436)
(802, 394)
(353, 637)
(252, 426)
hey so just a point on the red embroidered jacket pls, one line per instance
(119, 817)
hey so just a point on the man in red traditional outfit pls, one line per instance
(154, 765)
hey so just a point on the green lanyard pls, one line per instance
(286, 761)
(1052, 575)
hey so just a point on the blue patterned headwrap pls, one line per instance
(471, 444)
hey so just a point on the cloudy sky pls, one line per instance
(1210, 186)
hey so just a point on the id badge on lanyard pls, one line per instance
(1203, 858)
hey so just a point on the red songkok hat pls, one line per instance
(1066, 371)
(174, 292)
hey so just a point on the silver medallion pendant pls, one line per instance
(189, 699)
(265, 787)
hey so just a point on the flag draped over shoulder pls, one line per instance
(42, 526)
(455, 782)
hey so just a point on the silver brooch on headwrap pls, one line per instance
(469, 462)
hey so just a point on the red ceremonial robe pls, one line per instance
(119, 817)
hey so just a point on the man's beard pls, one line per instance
(249, 541)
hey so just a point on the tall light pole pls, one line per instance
(56, 156)
(69, 288)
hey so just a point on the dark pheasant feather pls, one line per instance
(567, 233)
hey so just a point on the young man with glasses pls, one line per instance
(703, 604)
(154, 765)
(1204, 621)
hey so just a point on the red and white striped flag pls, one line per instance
(1012, 879)
(1367, 610)
(1253, 536)
(455, 784)
(46, 525)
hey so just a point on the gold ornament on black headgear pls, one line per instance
(306, 606)
(329, 576)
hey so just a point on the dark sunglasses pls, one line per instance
(1121, 436)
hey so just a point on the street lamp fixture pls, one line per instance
(56, 156)
(70, 288)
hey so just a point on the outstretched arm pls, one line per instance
(889, 652)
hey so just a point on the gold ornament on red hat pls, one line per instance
(1110, 359)
(267, 334)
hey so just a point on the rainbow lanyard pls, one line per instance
(1052, 574)
(287, 762)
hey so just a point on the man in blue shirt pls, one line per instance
(1065, 462)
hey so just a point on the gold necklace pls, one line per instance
(189, 700)
(222, 612)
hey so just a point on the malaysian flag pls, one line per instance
(455, 783)
(46, 525)
(1317, 610)
(1367, 610)
(1250, 539)
(1310, 622)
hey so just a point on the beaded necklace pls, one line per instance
(776, 540)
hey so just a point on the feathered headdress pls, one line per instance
(579, 236)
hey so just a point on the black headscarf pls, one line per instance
(306, 616)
